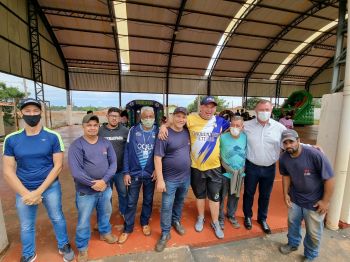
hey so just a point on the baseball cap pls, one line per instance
(180, 109)
(208, 99)
(289, 134)
(90, 117)
(29, 101)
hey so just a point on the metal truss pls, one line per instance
(34, 45)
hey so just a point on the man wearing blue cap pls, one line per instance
(206, 178)
(308, 182)
(32, 161)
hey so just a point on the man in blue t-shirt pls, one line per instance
(33, 159)
(308, 183)
(138, 171)
(233, 146)
(173, 170)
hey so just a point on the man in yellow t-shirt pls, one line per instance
(206, 178)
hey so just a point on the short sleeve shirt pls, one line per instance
(175, 153)
(205, 142)
(33, 154)
(233, 151)
(307, 173)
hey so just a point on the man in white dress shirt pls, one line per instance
(263, 150)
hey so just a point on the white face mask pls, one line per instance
(264, 116)
(235, 131)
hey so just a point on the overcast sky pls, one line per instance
(57, 96)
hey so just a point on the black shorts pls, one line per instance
(206, 183)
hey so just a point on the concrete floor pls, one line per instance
(137, 243)
(335, 247)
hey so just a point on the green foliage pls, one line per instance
(251, 102)
(222, 104)
(9, 94)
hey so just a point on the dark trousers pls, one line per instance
(264, 176)
(133, 196)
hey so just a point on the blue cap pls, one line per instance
(208, 99)
(180, 109)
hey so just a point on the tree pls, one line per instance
(9, 94)
(251, 102)
(222, 104)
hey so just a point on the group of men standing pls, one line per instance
(191, 150)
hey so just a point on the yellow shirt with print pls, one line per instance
(205, 142)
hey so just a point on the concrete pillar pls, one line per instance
(343, 151)
(2, 127)
(3, 235)
(69, 115)
(345, 210)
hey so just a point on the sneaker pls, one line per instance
(222, 224)
(109, 238)
(217, 229)
(161, 244)
(28, 259)
(146, 230)
(234, 222)
(307, 259)
(286, 249)
(67, 252)
(199, 224)
(83, 256)
(179, 228)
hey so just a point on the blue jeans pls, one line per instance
(264, 176)
(314, 229)
(172, 203)
(232, 200)
(85, 205)
(118, 181)
(52, 200)
(133, 196)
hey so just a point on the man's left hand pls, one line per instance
(322, 207)
(32, 198)
(99, 185)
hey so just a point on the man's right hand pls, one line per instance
(163, 132)
(161, 185)
(127, 180)
(287, 201)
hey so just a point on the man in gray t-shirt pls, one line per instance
(308, 184)
(173, 170)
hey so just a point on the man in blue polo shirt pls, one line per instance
(32, 161)
(308, 182)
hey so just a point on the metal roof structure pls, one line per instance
(167, 45)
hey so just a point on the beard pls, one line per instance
(292, 150)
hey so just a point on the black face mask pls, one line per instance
(32, 120)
